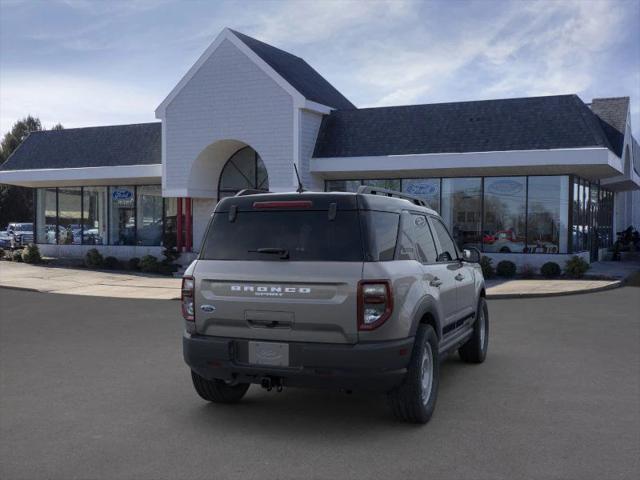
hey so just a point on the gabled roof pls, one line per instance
(612, 113)
(292, 73)
(532, 123)
(298, 73)
(116, 145)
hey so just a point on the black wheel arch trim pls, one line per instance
(427, 307)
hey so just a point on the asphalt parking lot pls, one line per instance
(96, 388)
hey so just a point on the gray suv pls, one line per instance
(355, 291)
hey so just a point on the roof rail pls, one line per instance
(250, 191)
(367, 189)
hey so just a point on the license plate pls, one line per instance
(269, 353)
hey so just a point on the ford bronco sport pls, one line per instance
(355, 291)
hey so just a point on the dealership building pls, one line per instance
(528, 179)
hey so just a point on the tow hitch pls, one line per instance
(269, 383)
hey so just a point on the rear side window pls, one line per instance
(448, 250)
(304, 235)
(425, 246)
(382, 234)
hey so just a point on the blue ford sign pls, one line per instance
(422, 188)
(505, 187)
(122, 194)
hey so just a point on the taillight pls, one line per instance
(375, 303)
(186, 298)
(284, 204)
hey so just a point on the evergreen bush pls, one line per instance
(576, 267)
(93, 258)
(31, 254)
(550, 270)
(506, 269)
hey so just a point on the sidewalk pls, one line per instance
(78, 281)
(498, 289)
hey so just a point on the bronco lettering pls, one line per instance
(262, 289)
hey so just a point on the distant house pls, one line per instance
(528, 178)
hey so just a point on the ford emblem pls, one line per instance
(207, 308)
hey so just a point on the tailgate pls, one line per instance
(286, 301)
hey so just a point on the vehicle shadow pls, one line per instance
(304, 412)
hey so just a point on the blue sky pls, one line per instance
(83, 63)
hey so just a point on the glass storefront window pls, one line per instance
(46, 215)
(504, 215)
(94, 223)
(69, 216)
(461, 210)
(149, 215)
(426, 188)
(547, 215)
(342, 185)
(388, 184)
(122, 221)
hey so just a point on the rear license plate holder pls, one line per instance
(269, 353)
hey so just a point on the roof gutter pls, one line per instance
(83, 176)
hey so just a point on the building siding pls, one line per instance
(229, 97)
(202, 208)
(309, 128)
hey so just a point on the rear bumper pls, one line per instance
(373, 366)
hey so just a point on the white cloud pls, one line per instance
(533, 48)
(306, 22)
(376, 52)
(73, 101)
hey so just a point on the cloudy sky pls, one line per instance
(82, 62)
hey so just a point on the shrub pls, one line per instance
(487, 269)
(166, 268)
(1, 253)
(170, 251)
(16, 256)
(31, 254)
(149, 264)
(93, 258)
(134, 263)
(576, 267)
(527, 271)
(111, 263)
(506, 268)
(550, 270)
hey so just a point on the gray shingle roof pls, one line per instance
(115, 145)
(298, 73)
(612, 113)
(532, 123)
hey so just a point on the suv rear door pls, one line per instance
(448, 256)
(438, 275)
(287, 273)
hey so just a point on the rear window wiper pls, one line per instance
(283, 252)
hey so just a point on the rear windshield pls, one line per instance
(301, 236)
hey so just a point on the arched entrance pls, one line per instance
(243, 170)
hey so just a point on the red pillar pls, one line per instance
(179, 225)
(188, 232)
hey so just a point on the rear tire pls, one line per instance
(218, 391)
(475, 349)
(415, 400)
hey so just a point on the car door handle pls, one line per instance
(435, 282)
(459, 277)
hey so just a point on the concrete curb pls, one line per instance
(505, 296)
(28, 289)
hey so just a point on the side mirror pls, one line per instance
(471, 255)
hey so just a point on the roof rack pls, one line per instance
(250, 191)
(367, 189)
